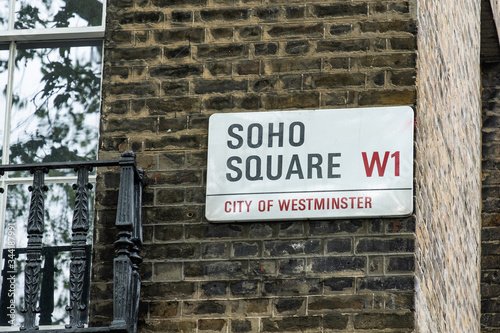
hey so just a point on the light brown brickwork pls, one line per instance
(448, 159)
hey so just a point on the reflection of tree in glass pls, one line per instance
(69, 95)
(56, 119)
(58, 13)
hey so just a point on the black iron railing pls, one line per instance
(125, 265)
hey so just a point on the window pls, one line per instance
(50, 82)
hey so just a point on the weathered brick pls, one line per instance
(292, 101)
(295, 12)
(227, 269)
(137, 89)
(172, 251)
(229, 14)
(262, 49)
(215, 250)
(291, 324)
(222, 51)
(387, 97)
(345, 302)
(219, 86)
(164, 309)
(339, 245)
(182, 16)
(219, 68)
(338, 80)
(384, 245)
(267, 13)
(335, 321)
(315, 30)
(170, 271)
(341, 29)
(383, 320)
(176, 71)
(249, 33)
(168, 232)
(401, 264)
(175, 88)
(212, 325)
(178, 52)
(179, 3)
(261, 85)
(337, 264)
(340, 284)
(194, 35)
(214, 231)
(291, 229)
(335, 227)
(245, 288)
(137, 54)
(169, 196)
(245, 249)
(386, 26)
(260, 230)
(297, 47)
(291, 247)
(398, 60)
(291, 287)
(118, 37)
(171, 325)
(238, 326)
(258, 306)
(222, 33)
(341, 9)
(386, 283)
(292, 65)
(291, 267)
(176, 289)
(174, 104)
(214, 288)
(141, 17)
(408, 43)
(294, 305)
(248, 67)
(204, 307)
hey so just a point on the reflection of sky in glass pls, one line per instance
(58, 13)
(4, 14)
(48, 130)
(4, 55)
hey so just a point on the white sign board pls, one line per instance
(310, 164)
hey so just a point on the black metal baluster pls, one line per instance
(47, 292)
(34, 250)
(134, 255)
(125, 217)
(78, 269)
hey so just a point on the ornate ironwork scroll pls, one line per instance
(34, 249)
(80, 228)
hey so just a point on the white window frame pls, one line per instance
(13, 36)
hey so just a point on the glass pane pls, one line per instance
(55, 111)
(39, 14)
(4, 57)
(4, 14)
(59, 205)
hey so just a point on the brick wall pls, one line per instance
(448, 159)
(490, 236)
(169, 65)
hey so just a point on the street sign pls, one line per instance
(310, 164)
